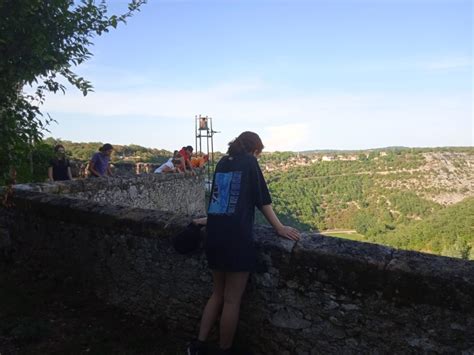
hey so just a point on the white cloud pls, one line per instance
(286, 137)
(448, 63)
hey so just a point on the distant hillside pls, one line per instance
(346, 151)
(444, 175)
(376, 193)
(384, 149)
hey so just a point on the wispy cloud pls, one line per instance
(448, 63)
(452, 62)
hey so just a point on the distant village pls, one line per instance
(304, 160)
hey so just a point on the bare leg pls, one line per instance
(213, 306)
(235, 283)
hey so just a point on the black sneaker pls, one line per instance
(197, 348)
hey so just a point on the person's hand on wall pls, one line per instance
(200, 221)
(288, 233)
(282, 230)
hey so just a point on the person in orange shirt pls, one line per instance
(199, 161)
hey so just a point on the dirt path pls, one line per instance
(345, 231)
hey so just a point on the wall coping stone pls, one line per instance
(91, 184)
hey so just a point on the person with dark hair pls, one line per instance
(99, 164)
(59, 167)
(186, 153)
(237, 188)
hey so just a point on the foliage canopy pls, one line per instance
(40, 43)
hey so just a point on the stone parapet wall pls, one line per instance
(123, 169)
(320, 295)
(177, 192)
(130, 169)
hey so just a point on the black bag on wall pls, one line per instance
(188, 240)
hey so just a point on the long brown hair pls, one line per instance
(246, 142)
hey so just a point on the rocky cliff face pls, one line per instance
(446, 177)
(451, 175)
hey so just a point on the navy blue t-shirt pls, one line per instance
(59, 169)
(238, 187)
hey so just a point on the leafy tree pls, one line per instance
(362, 157)
(40, 43)
(36, 168)
(448, 231)
(373, 154)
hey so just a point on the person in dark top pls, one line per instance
(238, 187)
(59, 168)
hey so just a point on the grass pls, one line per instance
(347, 235)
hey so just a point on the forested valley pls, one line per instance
(417, 199)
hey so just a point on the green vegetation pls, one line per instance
(40, 44)
(385, 198)
(330, 195)
(36, 168)
(448, 231)
(347, 235)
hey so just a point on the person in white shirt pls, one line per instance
(167, 167)
(173, 165)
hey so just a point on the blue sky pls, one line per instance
(341, 74)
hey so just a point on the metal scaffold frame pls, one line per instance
(205, 132)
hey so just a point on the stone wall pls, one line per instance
(179, 193)
(123, 169)
(320, 295)
(130, 169)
